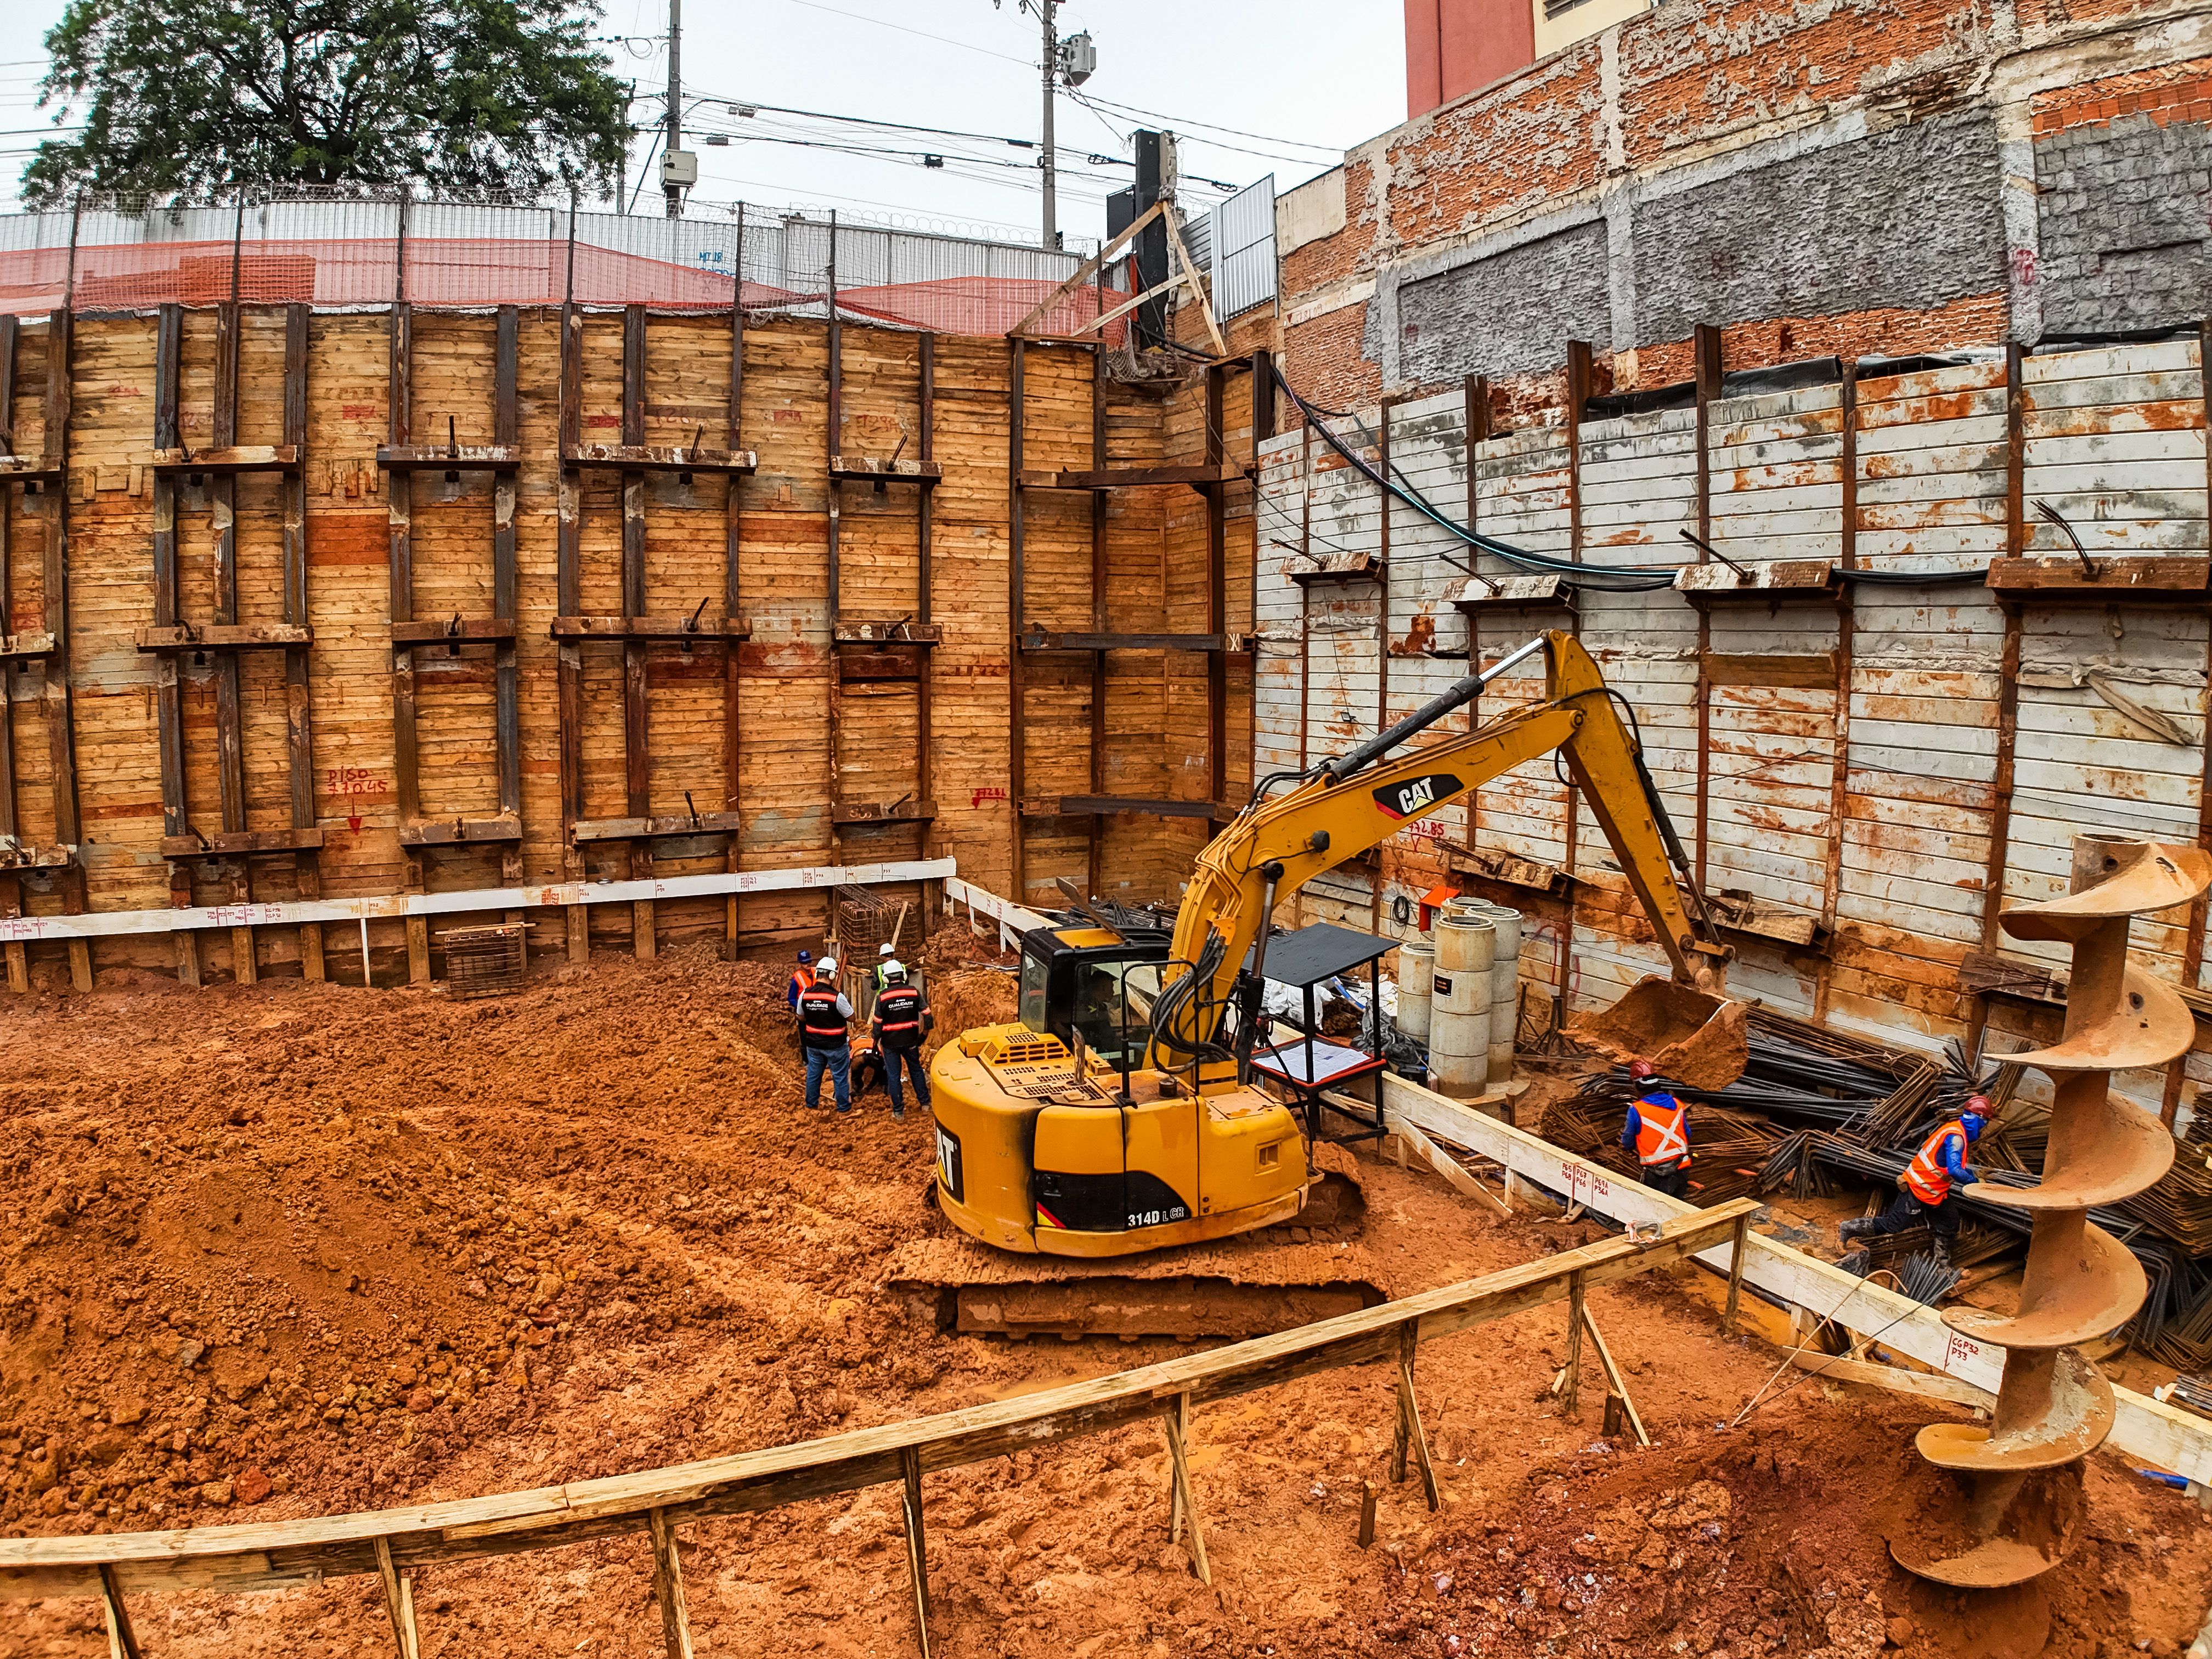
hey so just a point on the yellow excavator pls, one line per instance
(1118, 1117)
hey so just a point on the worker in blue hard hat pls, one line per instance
(1927, 1191)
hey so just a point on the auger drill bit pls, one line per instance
(2013, 1507)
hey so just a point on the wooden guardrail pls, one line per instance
(386, 1542)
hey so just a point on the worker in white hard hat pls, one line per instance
(882, 961)
(901, 1020)
(825, 1032)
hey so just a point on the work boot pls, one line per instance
(898, 1114)
(1939, 1252)
(1854, 1227)
(1859, 1263)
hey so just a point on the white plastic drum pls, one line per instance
(1459, 1019)
(1417, 972)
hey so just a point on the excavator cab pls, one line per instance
(1093, 988)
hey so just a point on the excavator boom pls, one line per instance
(1344, 806)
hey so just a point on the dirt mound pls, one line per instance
(1772, 1540)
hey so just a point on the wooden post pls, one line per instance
(668, 1587)
(1410, 1432)
(917, 1555)
(1616, 1384)
(399, 1602)
(1366, 1513)
(122, 1640)
(1175, 1418)
(1737, 1241)
(1572, 1396)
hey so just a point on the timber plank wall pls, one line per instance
(1870, 772)
(785, 789)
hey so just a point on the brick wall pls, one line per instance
(1821, 179)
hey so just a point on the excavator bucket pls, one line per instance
(1690, 1036)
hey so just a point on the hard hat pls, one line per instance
(1640, 1069)
(805, 956)
(895, 971)
(1978, 1108)
(883, 950)
(825, 968)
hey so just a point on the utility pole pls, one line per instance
(670, 177)
(1046, 10)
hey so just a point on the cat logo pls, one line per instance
(1415, 796)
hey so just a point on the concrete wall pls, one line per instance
(1819, 179)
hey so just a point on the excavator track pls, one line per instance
(1311, 1268)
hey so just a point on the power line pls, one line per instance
(1180, 124)
(1216, 143)
(942, 40)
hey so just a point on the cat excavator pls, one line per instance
(1118, 1117)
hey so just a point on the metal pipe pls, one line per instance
(1704, 546)
(1462, 692)
(1256, 993)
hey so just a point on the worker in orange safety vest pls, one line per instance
(1927, 1191)
(1658, 1133)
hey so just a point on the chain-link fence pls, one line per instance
(342, 253)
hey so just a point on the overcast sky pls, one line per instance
(1308, 78)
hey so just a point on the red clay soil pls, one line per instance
(289, 1250)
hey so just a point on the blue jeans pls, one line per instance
(894, 1058)
(839, 1063)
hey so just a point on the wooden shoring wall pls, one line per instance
(267, 560)
(1867, 771)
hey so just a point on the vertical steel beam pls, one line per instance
(1706, 356)
(637, 756)
(733, 597)
(1839, 777)
(299, 715)
(11, 885)
(2007, 668)
(568, 602)
(168, 668)
(1016, 770)
(1217, 606)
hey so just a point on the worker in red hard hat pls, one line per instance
(1929, 1189)
(1657, 1132)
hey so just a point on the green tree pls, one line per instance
(189, 96)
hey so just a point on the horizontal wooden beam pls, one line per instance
(258, 1555)
(15, 468)
(652, 627)
(16, 855)
(240, 458)
(1078, 806)
(862, 469)
(2137, 579)
(1039, 639)
(455, 832)
(1200, 476)
(463, 631)
(222, 636)
(880, 665)
(855, 812)
(239, 843)
(889, 631)
(116, 924)
(657, 458)
(461, 458)
(644, 828)
(1813, 670)
(25, 647)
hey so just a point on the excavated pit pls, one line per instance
(292, 1250)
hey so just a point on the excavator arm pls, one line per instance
(1348, 804)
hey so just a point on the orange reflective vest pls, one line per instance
(1926, 1177)
(1663, 1132)
(800, 979)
